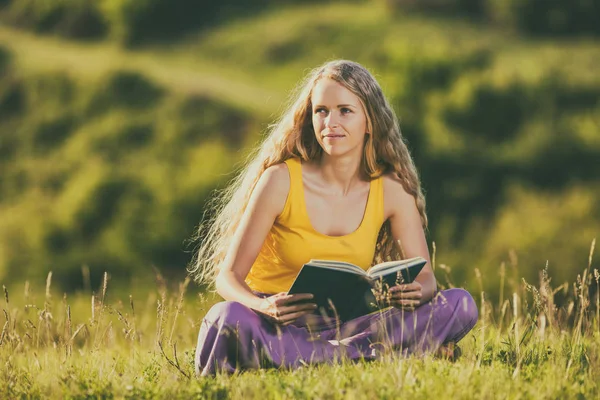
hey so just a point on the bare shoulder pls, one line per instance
(276, 178)
(393, 186)
(272, 188)
(396, 198)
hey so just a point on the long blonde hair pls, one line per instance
(293, 136)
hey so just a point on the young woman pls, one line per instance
(332, 180)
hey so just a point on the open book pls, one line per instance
(347, 291)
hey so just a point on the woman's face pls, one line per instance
(338, 117)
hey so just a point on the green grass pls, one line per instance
(108, 345)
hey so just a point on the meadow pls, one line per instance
(115, 131)
(102, 345)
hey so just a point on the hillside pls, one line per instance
(109, 154)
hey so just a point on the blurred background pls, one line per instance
(119, 118)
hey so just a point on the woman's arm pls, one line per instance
(407, 229)
(265, 204)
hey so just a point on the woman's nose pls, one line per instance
(331, 120)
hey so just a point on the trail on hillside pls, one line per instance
(90, 60)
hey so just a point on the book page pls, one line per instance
(338, 265)
(391, 266)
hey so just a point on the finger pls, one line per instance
(283, 310)
(406, 287)
(292, 298)
(406, 303)
(407, 295)
(289, 318)
(299, 297)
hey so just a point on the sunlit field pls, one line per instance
(113, 345)
(114, 138)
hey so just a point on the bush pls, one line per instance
(535, 17)
(473, 8)
(131, 22)
(12, 103)
(12, 97)
(137, 21)
(75, 19)
(4, 59)
(549, 17)
(112, 174)
(124, 89)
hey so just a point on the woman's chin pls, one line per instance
(337, 150)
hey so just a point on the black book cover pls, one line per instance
(344, 294)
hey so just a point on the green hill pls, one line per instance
(108, 154)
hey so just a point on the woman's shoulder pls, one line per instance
(392, 183)
(271, 191)
(276, 179)
(277, 173)
(395, 195)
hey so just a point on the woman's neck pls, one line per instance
(340, 174)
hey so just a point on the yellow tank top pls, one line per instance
(292, 241)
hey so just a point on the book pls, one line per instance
(345, 290)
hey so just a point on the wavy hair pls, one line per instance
(385, 151)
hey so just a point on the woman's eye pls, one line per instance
(346, 110)
(320, 110)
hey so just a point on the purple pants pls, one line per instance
(234, 337)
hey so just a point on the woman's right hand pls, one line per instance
(285, 308)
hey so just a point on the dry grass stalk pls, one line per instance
(4, 332)
(161, 306)
(482, 320)
(48, 284)
(182, 289)
(447, 270)
(542, 327)
(46, 315)
(160, 315)
(134, 332)
(127, 330)
(503, 309)
(68, 333)
(502, 278)
(591, 255)
(174, 363)
(581, 293)
(104, 287)
(93, 309)
(514, 264)
(517, 341)
(5, 295)
(79, 329)
(401, 249)
(597, 278)
(433, 256)
(98, 320)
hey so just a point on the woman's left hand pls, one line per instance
(406, 295)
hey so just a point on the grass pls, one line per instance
(140, 343)
(142, 346)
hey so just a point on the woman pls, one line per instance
(332, 180)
